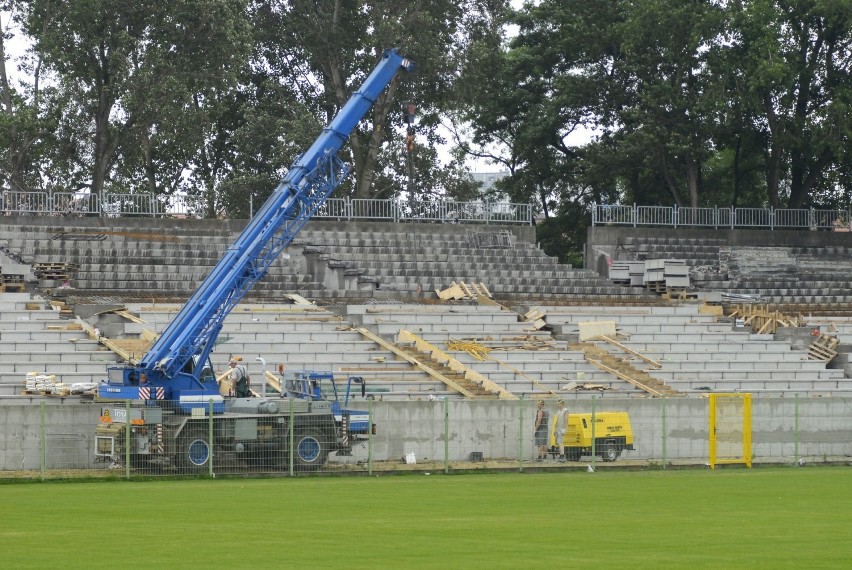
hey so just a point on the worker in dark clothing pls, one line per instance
(542, 427)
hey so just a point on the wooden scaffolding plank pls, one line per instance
(628, 350)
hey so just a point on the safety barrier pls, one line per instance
(746, 218)
(55, 438)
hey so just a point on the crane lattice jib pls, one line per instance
(310, 180)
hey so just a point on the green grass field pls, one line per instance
(730, 518)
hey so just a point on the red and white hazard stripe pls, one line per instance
(159, 393)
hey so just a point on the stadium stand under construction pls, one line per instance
(449, 311)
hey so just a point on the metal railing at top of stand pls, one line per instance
(721, 217)
(18, 203)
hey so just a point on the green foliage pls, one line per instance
(658, 102)
(130, 77)
(241, 196)
(691, 103)
(325, 49)
(564, 236)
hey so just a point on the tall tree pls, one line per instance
(130, 69)
(325, 49)
(797, 56)
(635, 70)
(25, 114)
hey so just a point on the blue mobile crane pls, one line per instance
(174, 380)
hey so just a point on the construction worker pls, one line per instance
(239, 377)
(541, 424)
(561, 427)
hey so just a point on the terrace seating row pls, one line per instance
(321, 263)
(522, 359)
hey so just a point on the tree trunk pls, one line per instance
(773, 161)
(150, 169)
(670, 182)
(103, 144)
(692, 180)
(737, 152)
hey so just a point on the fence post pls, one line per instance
(796, 430)
(733, 217)
(291, 435)
(634, 214)
(594, 435)
(43, 443)
(446, 436)
(521, 434)
(210, 436)
(664, 432)
(715, 217)
(771, 217)
(369, 436)
(675, 213)
(127, 441)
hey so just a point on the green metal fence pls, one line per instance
(60, 439)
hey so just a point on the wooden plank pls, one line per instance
(639, 355)
(129, 316)
(706, 309)
(452, 292)
(482, 300)
(817, 353)
(453, 364)
(625, 377)
(297, 299)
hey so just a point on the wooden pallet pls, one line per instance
(823, 348)
(679, 293)
(462, 290)
(56, 271)
(12, 288)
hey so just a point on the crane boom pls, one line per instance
(173, 363)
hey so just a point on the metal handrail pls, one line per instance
(721, 217)
(116, 205)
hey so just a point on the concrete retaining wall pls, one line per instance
(606, 239)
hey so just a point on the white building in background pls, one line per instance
(487, 179)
